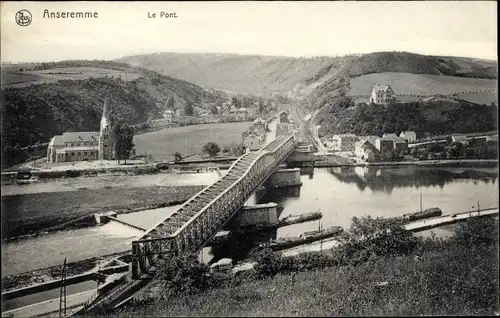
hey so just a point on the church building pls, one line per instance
(84, 146)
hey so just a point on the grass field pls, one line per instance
(419, 84)
(162, 144)
(454, 281)
(480, 98)
(20, 79)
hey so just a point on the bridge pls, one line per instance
(197, 221)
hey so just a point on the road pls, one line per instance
(50, 306)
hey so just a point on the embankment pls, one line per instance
(450, 163)
(35, 213)
(48, 274)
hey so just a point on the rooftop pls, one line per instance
(379, 87)
(82, 136)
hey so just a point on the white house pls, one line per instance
(253, 141)
(169, 115)
(460, 138)
(410, 136)
(382, 94)
(366, 151)
(344, 142)
(389, 136)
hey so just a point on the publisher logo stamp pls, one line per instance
(23, 17)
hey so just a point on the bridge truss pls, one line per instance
(201, 217)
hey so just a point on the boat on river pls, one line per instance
(303, 238)
(427, 213)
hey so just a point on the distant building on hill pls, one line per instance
(384, 144)
(389, 136)
(345, 142)
(371, 138)
(169, 115)
(259, 126)
(382, 94)
(365, 150)
(460, 138)
(410, 136)
(400, 144)
(252, 141)
(84, 146)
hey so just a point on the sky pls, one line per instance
(455, 28)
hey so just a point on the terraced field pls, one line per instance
(20, 79)
(421, 84)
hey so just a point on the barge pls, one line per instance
(427, 213)
(304, 238)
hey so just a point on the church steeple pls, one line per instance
(106, 138)
(104, 118)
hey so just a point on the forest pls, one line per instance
(434, 118)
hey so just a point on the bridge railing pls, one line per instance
(198, 230)
(147, 235)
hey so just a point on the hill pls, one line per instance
(233, 72)
(419, 84)
(300, 77)
(33, 114)
(448, 69)
(434, 117)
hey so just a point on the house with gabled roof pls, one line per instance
(366, 151)
(382, 94)
(410, 136)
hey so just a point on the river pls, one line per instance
(339, 193)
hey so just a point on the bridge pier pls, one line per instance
(285, 178)
(102, 218)
(259, 214)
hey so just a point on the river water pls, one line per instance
(339, 193)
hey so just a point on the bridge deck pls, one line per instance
(173, 223)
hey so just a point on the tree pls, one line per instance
(183, 275)
(236, 103)
(188, 109)
(214, 110)
(261, 106)
(124, 136)
(211, 149)
(171, 103)
(177, 156)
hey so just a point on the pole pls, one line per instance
(420, 199)
(321, 246)
(62, 293)
(478, 206)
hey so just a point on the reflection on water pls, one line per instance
(387, 179)
(342, 193)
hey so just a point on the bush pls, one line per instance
(184, 275)
(72, 173)
(477, 231)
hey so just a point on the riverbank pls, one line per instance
(328, 162)
(38, 213)
(52, 273)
